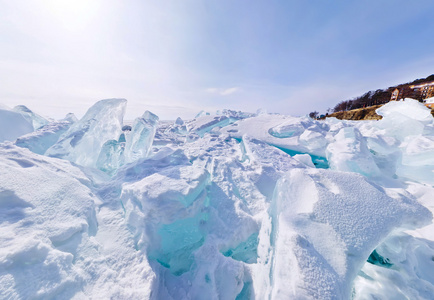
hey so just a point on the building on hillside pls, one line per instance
(395, 95)
(425, 90)
(419, 92)
(430, 103)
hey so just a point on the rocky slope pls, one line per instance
(366, 113)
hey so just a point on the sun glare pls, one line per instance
(75, 15)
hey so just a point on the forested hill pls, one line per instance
(377, 97)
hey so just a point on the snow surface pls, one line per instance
(226, 206)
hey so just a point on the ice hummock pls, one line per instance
(226, 206)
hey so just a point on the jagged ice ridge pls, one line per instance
(230, 205)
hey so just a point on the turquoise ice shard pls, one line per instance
(139, 140)
(201, 114)
(83, 141)
(111, 156)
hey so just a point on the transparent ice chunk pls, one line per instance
(139, 140)
(36, 120)
(83, 141)
(111, 156)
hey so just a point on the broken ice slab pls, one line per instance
(292, 127)
(296, 127)
(172, 131)
(236, 114)
(349, 153)
(246, 251)
(178, 241)
(43, 138)
(318, 161)
(205, 124)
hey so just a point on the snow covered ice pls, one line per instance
(230, 205)
(9, 132)
(36, 120)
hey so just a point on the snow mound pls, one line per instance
(408, 107)
(325, 226)
(50, 243)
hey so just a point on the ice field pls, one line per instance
(229, 205)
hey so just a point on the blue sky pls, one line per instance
(176, 58)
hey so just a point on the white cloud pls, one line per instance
(229, 91)
(212, 90)
(223, 91)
